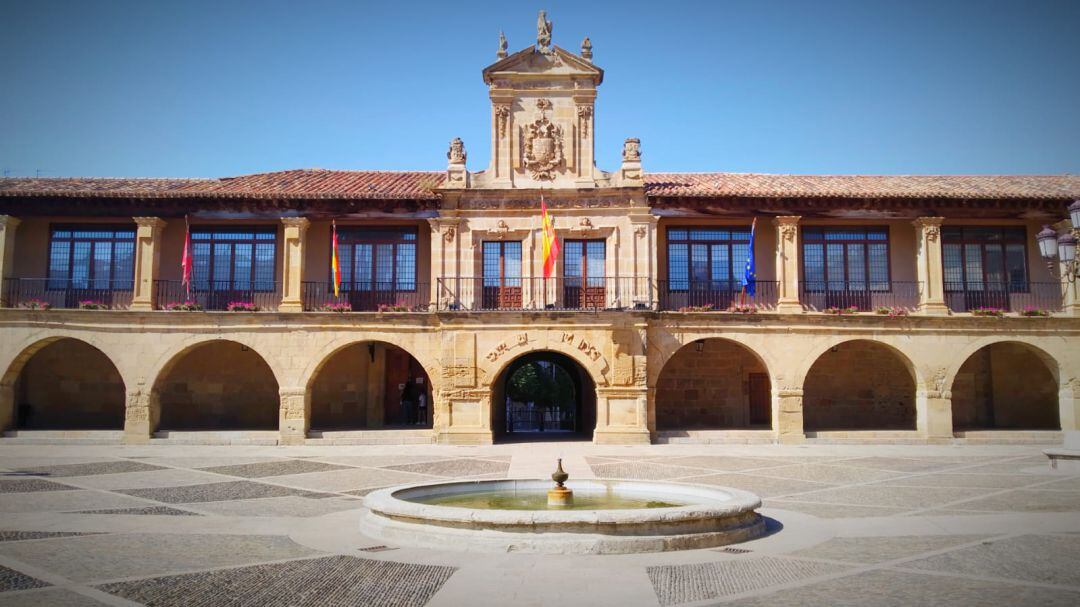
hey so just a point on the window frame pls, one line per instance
(51, 283)
(846, 280)
(348, 237)
(963, 242)
(585, 277)
(255, 284)
(734, 278)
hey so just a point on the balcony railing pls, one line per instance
(867, 296)
(66, 293)
(562, 293)
(689, 295)
(1009, 297)
(367, 296)
(217, 295)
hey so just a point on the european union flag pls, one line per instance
(749, 279)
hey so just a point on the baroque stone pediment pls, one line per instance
(530, 63)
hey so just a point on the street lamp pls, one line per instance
(1063, 248)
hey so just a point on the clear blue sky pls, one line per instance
(194, 88)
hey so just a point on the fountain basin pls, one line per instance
(691, 516)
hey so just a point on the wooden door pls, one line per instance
(583, 274)
(502, 275)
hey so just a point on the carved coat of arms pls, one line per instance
(542, 144)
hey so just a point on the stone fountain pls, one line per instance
(559, 496)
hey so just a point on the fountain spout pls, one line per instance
(559, 496)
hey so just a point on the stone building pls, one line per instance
(866, 318)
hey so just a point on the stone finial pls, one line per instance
(502, 46)
(543, 33)
(631, 150)
(630, 171)
(586, 49)
(456, 154)
(457, 176)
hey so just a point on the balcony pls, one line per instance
(592, 294)
(44, 293)
(217, 295)
(1008, 297)
(866, 296)
(367, 297)
(703, 295)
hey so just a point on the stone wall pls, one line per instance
(859, 385)
(70, 385)
(220, 385)
(707, 389)
(340, 392)
(1005, 385)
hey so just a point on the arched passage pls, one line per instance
(713, 384)
(1006, 385)
(543, 395)
(370, 385)
(218, 385)
(69, 385)
(859, 385)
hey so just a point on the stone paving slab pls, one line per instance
(1032, 558)
(885, 588)
(280, 506)
(898, 464)
(275, 468)
(50, 597)
(891, 496)
(13, 580)
(1068, 484)
(213, 492)
(161, 477)
(763, 486)
(642, 471)
(455, 467)
(92, 469)
(111, 556)
(147, 511)
(1009, 466)
(379, 461)
(824, 473)
(676, 584)
(335, 581)
(828, 511)
(351, 479)
(726, 463)
(21, 536)
(31, 485)
(1026, 500)
(66, 501)
(950, 479)
(209, 461)
(863, 550)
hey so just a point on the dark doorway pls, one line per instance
(543, 396)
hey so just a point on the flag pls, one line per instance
(335, 267)
(185, 259)
(551, 244)
(749, 279)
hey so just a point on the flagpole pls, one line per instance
(186, 269)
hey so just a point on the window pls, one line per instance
(845, 259)
(711, 259)
(92, 257)
(233, 258)
(377, 259)
(583, 262)
(502, 275)
(984, 259)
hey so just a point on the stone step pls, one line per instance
(215, 437)
(865, 437)
(1009, 437)
(63, 437)
(718, 437)
(421, 436)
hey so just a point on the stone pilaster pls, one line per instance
(789, 417)
(445, 238)
(142, 412)
(295, 419)
(147, 261)
(292, 263)
(787, 266)
(933, 416)
(621, 416)
(1070, 304)
(1069, 405)
(929, 266)
(8, 224)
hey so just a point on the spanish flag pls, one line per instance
(551, 243)
(335, 267)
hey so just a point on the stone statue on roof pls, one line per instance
(502, 46)
(543, 33)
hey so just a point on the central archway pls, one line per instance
(543, 395)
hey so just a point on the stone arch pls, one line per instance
(1053, 360)
(1006, 384)
(64, 383)
(713, 383)
(422, 355)
(584, 387)
(229, 386)
(860, 384)
(597, 368)
(357, 385)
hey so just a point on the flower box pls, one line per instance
(337, 307)
(892, 312)
(90, 304)
(841, 311)
(992, 312)
(242, 306)
(736, 309)
(36, 304)
(1033, 312)
(704, 308)
(184, 306)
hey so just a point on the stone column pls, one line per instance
(789, 416)
(147, 261)
(1069, 405)
(295, 419)
(933, 416)
(787, 266)
(292, 263)
(8, 224)
(929, 266)
(142, 412)
(7, 407)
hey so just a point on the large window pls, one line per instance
(502, 275)
(91, 257)
(711, 259)
(377, 259)
(984, 259)
(845, 259)
(233, 258)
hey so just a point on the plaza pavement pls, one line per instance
(269, 526)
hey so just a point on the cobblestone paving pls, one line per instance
(859, 526)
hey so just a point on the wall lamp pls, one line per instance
(699, 345)
(1063, 247)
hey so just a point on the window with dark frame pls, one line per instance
(100, 257)
(228, 258)
(707, 258)
(377, 259)
(984, 258)
(846, 259)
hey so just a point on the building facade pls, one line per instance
(904, 308)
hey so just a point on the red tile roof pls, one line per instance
(91, 186)
(759, 185)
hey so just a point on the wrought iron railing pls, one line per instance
(66, 293)
(521, 417)
(367, 296)
(1004, 296)
(716, 295)
(217, 295)
(562, 293)
(863, 295)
